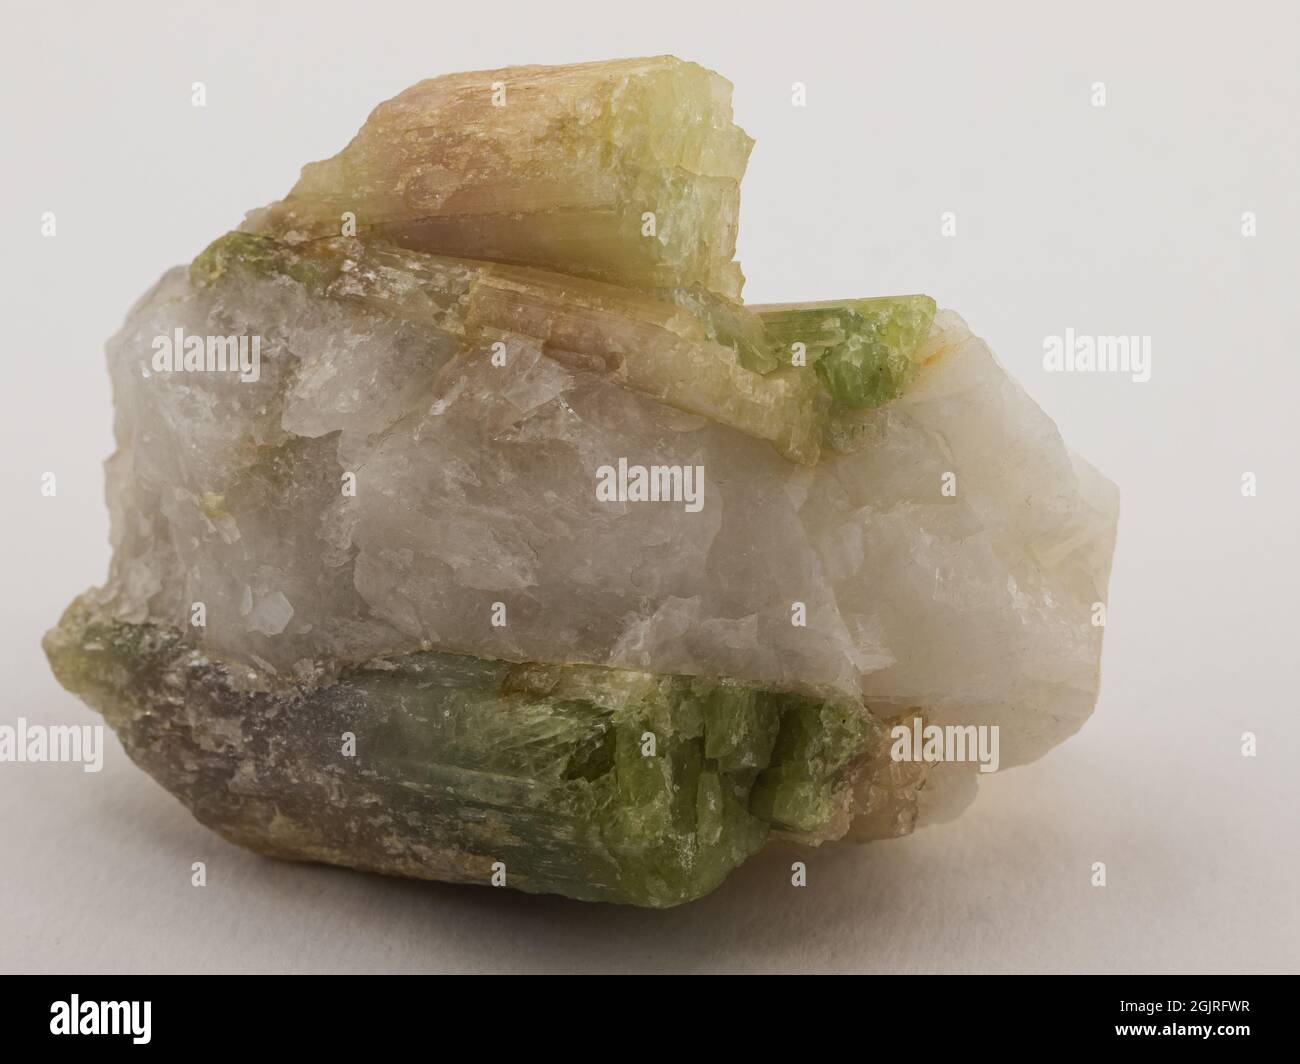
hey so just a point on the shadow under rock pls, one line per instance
(756, 921)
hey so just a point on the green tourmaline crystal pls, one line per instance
(602, 784)
(693, 350)
(627, 171)
(865, 350)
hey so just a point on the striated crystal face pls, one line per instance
(545, 166)
(521, 551)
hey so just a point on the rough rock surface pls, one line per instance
(395, 531)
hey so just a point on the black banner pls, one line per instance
(342, 1013)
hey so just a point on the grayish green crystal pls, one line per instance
(602, 784)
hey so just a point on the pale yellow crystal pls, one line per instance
(625, 171)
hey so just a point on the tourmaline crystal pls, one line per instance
(367, 605)
(546, 166)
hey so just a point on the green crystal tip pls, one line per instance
(865, 350)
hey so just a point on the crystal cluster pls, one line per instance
(368, 605)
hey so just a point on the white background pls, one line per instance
(1122, 219)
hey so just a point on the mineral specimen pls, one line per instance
(527, 554)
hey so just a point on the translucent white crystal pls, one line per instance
(474, 485)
